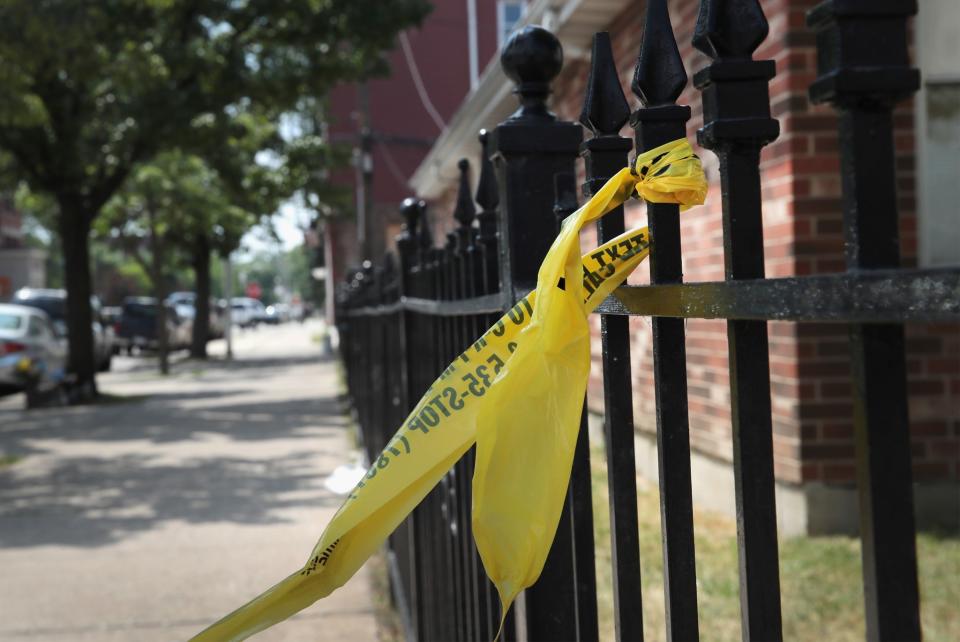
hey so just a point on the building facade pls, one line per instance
(20, 266)
(810, 371)
(391, 123)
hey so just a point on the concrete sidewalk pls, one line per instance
(149, 518)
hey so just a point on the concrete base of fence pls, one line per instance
(813, 508)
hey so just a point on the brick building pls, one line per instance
(20, 266)
(809, 363)
(391, 123)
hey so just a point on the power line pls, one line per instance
(392, 164)
(418, 82)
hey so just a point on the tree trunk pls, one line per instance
(160, 293)
(201, 275)
(74, 224)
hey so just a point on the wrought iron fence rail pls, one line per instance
(488, 304)
(402, 321)
(881, 296)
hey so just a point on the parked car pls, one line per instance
(137, 327)
(54, 303)
(218, 319)
(32, 358)
(185, 303)
(246, 312)
(177, 298)
(272, 315)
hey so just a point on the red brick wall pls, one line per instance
(810, 373)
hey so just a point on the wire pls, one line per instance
(418, 82)
(392, 164)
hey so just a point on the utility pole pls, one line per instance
(367, 234)
(228, 293)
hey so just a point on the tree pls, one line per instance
(156, 218)
(255, 173)
(89, 90)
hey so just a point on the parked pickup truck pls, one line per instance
(137, 327)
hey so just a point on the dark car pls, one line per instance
(54, 303)
(185, 303)
(137, 327)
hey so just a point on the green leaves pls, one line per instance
(89, 89)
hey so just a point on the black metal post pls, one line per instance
(488, 282)
(488, 197)
(605, 111)
(737, 124)
(465, 213)
(580, 496)
(528, 150)
(406, 241)
(864, 81)
(658, 80)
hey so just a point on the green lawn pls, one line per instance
(9, 460)
(820, 578)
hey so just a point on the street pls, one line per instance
(151, 515)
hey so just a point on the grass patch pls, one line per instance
(9, 460)
(820, 577)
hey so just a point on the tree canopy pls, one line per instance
(89, 90)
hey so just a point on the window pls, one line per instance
(10, 321)
(35, 327)
(938, 133)
(508, 15)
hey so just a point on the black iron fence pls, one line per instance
(403, 320)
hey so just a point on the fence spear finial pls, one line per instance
(465, 211)
(488, 195)
(605, 108)
(410, 211)
(424, 234)
(659, 77)
(730, 28)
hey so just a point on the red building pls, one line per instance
(391, 123)
(20, 266)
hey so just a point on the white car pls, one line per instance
(32, 358)
(246, 312)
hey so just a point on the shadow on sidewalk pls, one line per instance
(209, 451)
(77, 504)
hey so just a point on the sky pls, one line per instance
(292, 217)
(288, 225)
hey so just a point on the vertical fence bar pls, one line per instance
(737, 125)
(428, 534)
(528, 150)
(488, 198)
(448, 484)
(463, 213)
(864, 81)
(411, 210)
(470, 285)
(580, 495)
(605, 111)
(418, 365)
(659, 79)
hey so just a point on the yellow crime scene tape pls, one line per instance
(517, 392)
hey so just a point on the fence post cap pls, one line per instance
(531, 58)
